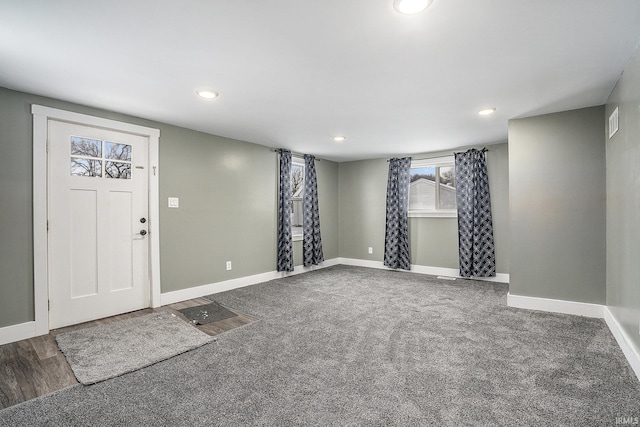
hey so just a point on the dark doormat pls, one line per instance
(207, 313)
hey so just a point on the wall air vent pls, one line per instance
(613, 123)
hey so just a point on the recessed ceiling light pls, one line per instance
(339, 138)
(207, 94)
(487, 111)
(411, 7)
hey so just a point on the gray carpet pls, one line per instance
(356, 346)
(107, 351)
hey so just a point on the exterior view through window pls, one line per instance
(432, 188)
(95, 158)
(297, 193)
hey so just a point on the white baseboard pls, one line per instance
(586, 310)
(625, 343)
(13, 333)
(212, 288)
(21, 331)
(556, 306)
(423, 269)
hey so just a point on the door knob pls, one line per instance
(143, 220)
(143, 232)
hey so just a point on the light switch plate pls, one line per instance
(174, 202)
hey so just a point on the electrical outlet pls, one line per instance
(370, 250)
(228, 265)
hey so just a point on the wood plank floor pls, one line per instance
(36, 366)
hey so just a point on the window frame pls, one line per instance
(297, 161)
(437, 163)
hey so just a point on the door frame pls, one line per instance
(41, 117)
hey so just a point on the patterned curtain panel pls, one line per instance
(285, 245)
(475, 228)
(312, 242)
(396, 240)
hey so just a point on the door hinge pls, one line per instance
(47, 146)
(49, 305)
(47, 225)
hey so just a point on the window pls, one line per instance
(297, 194)
(89, 155)
(432, 188)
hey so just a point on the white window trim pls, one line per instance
(433, 213)
(435, 161)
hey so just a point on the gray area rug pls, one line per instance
(110, 350)
(207, 313)
(356, 346)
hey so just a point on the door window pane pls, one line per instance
(86, 167)
(86, 147)
(116, 151)
(117, 170)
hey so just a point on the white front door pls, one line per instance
(98, 217)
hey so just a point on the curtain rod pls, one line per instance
(293, 153)
(484, 150)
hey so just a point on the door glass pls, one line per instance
(86, 167)
(86, 147)
(88, 156)
(116, 151)
(117, 170)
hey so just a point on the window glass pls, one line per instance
(117, 170)
(297, 193)
(422, 194)
(86, 147)
(88, 156)
(116, 151)
(86, 167)
(447, 188)
(432, 187)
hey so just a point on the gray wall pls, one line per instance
(16, 223)
(623, 203)
(227, 205)
(227, 192)
(557, 206)
(434, 241)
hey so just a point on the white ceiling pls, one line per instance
(294, 73)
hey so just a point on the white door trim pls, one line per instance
(41, 116)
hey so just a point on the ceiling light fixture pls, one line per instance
(487, 111)
(411, 7)
(207, 94)
(339, 138)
